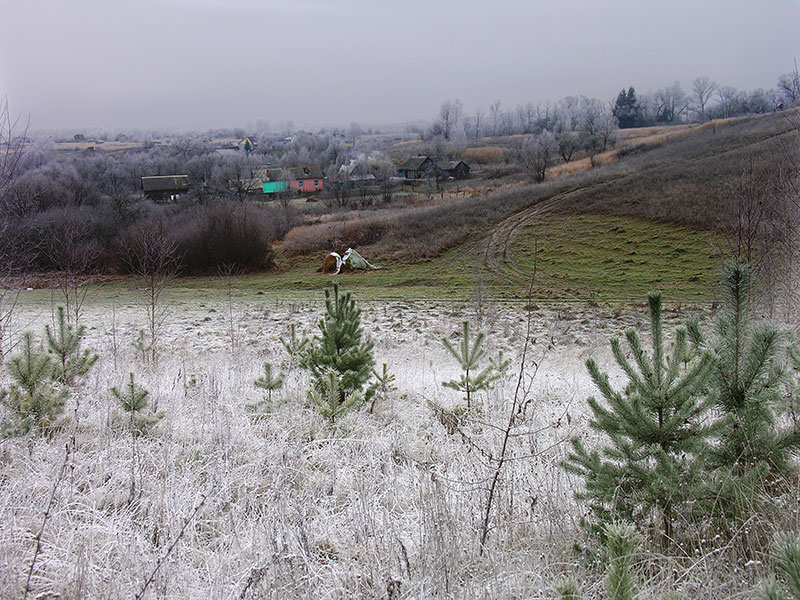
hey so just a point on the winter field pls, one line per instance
(220, 501)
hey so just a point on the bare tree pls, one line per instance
(703, 89)
(495, 108)
(447, 121)
(478, 121)
(672, 103)
(538, 153)
(789, 87)
(13, 137)
(568, 144)
(764, 212)
(74, 254)
(189, 146)
(727, 100)
(152, 254)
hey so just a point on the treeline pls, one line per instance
(668, 105)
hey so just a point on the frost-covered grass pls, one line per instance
(222, 503)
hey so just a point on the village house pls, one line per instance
(246, 144)
(422, 167)
(418, 167)
(302, 179)
(454, 169)
(165, 188)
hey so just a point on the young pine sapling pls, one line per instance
(383, 385)
(469, 355)
(269, 382)
(64, 341)
(34, 400)
(294, 345)
(339, 352)
(656, 437)
(326, 396)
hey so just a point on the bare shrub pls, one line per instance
(234, 234)
(338, 235)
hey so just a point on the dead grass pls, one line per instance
(296, 508)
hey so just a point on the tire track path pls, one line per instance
(497, 257)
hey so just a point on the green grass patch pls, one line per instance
(617, 258)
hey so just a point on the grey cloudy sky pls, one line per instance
(199, 64)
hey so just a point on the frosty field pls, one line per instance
(221, 502)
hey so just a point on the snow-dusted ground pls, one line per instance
(219, 503)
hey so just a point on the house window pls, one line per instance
(316, 182)
(301, 184)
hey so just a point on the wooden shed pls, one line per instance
(165, 188)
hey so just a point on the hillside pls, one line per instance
(691, 181)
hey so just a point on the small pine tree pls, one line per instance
(133, 399)
(568, 590)
(340, 349)
(752, 450)
(654, 431)
(787, 555)
(143, 346)
(327, 397)
(621, 544)
(269, 381)
(384, 383)
(746, 384)
(469, 356)
(65, 341)
(294, 345)
(34, 400)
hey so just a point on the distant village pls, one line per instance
(266, 180)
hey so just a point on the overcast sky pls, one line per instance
(200, 64)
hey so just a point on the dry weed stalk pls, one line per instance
(171, 547)
(50, 504)
(513, 414)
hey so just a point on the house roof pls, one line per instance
(414, 163)
(451, 165)
(165, 183)
(294, 173)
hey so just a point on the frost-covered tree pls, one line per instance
(133, 399)
(469, 354)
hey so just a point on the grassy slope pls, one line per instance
(607, 257)
(651, 218)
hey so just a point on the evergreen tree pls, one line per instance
(787, 554)
(294, 345)
(65, 341)
(34, 400)
(327, 396)
(621, 544)
(469, 356)
(339, 348)
(269, 381)
(746, 385)
(384, 384)
(654, 431)
(626, 109)
(133, 400)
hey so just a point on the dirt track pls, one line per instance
(497, 257)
